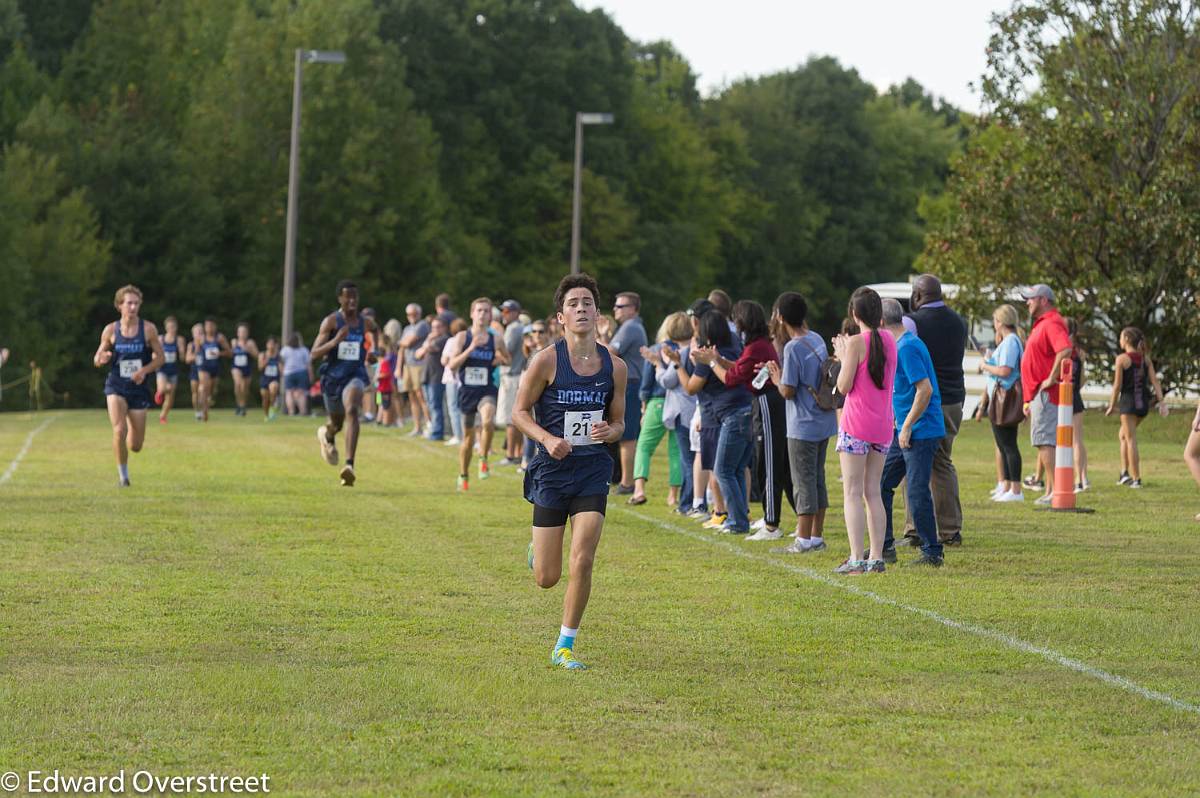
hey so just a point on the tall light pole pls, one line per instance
(293, 206)
(581, 119)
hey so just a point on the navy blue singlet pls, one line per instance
(569, 406)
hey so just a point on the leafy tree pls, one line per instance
(1088, 181)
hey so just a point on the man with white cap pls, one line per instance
(1048, 346)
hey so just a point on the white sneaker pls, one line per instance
(766, 534)
(996, 491)
(328, 449)
(1044, 500)
(453, 442)
(759, 524)
(1009, 496)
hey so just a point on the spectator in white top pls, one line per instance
(297, 375)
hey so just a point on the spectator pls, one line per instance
(1191, 451)
(627, 343)
(728, 409)
(385, 381)
(450, 380)
(1048, 346)
(435, 386)
(413, 375)
(868, 369)
(705, 430)
(510, 379)
(768, 422)
(653, 398)
(1003, 369)
(678, 406)
(1077, 445)
(944, 334)
(916, 407)
(809, 427)
(441, 307)
(1135, 390)
(297, 375)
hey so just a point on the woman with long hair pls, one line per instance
(868, 370)
(653, 396)
(1135, 384)
(1003, 369)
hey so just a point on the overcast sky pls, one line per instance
(940, 43)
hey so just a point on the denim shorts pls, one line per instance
(851, 445)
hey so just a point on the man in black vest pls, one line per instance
(944, 333)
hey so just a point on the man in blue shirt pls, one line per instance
(917, 406)
(809, 428)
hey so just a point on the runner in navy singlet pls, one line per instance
(174, 348)
(270, 366)
(195, 358)
(213, 346)
(245, 355)
(577, 389)
(132, 351)
(344, 340)
(480, 350)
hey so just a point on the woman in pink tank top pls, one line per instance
(868, 369)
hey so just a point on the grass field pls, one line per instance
(238, 612)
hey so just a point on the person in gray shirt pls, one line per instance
(510, 380)
(628, 343)
(413, 379)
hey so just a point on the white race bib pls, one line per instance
(475, 376)
(212, 352)
(577, 426)
(169, 357)
(240, 361)
(272, 370)
(128, 368)
(348, 350)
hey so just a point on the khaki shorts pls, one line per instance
(1043, 420)
(413, 377)
(509, 383)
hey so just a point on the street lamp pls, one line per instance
(581, 119)
(293, 209)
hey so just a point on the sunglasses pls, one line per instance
(537, 330)
(619, 307)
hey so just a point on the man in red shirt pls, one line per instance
(1048, 346)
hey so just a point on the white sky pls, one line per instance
(940, 43)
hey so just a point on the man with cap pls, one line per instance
(510, 380)
(1048, 346)
(944, 334)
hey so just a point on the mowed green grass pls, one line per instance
(238, 612)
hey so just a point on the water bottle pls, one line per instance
(760, 379)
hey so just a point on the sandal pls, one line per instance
(636, 500)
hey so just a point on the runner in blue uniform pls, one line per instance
(344, 339)
(174, 349)
(194, 358)
(214, 346)
(577, 388)
(245, 355)
(132, 350)
(480, 350)
(269, 366)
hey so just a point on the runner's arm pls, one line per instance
(502, 357)
(466, 345)
(104, 352)
(158, 359)
(610, 431)
(534, 380)
(325, 340)
(1118, 378)
(226, 349)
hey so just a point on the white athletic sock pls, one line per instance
(123, 471)
(815, 539)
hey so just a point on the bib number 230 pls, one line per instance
(577, 426)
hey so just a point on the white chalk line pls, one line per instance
(1006, 640)
(12, 467)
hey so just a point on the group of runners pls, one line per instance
(570, 403)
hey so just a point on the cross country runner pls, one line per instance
(214, 346)
(245, 354)
(574, 385)
(268, 382)
(133, 348)
(195, 357)
(174, 348)
(344, 339)
(480, 350)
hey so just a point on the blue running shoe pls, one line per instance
(529, 555)
(565, 658)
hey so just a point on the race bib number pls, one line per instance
(212, 352)
(169, 357)
(475, 376)
(240, 361)
(129, 368)
(577, 426)
(348, 350)
(272, 371)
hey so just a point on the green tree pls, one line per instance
(1087, 182)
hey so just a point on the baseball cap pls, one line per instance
(700, 307)
(1041, 289)
(510, 304)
